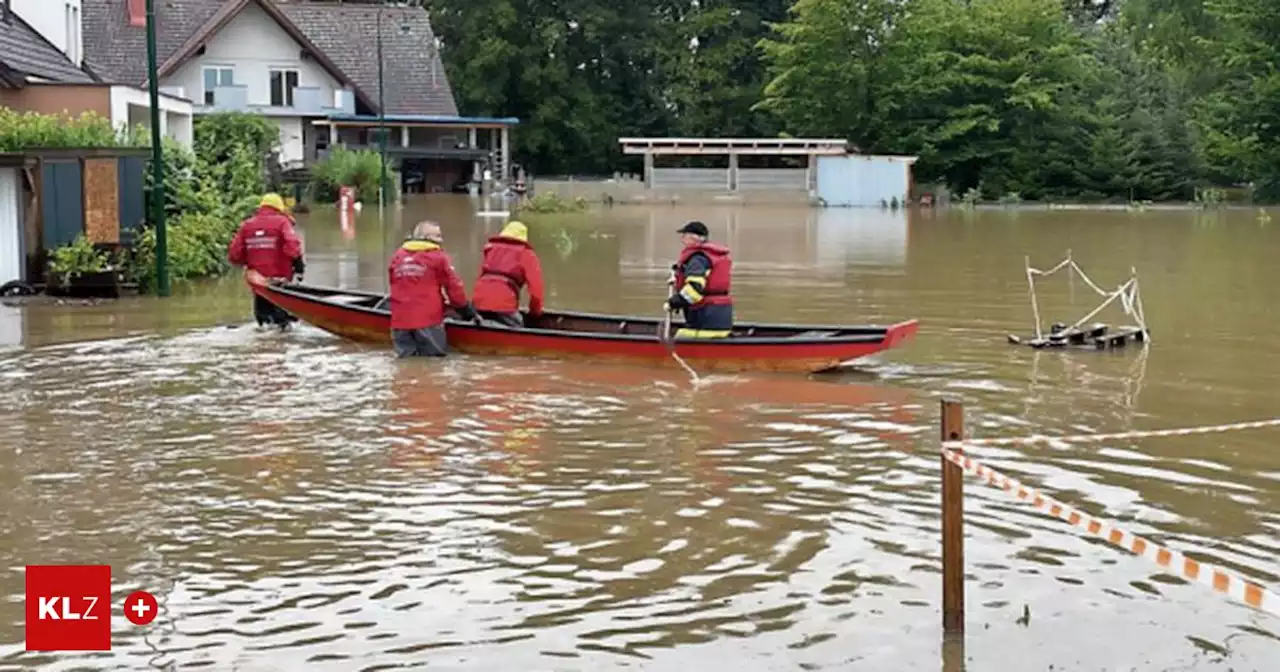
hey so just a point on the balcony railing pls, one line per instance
(308, 101)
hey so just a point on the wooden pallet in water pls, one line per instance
(1097, 337)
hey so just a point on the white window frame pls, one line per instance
(286, 93)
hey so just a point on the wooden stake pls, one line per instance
(952, 525)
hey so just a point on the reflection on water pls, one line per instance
(298, 502)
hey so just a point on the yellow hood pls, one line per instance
(516, 230)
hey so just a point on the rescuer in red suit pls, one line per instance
(422, 278)
(509, 264)
(703, 276)
(267, 243)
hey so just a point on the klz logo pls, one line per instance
(68, 607)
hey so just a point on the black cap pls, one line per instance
(696, 228)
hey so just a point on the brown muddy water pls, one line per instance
(301, 503)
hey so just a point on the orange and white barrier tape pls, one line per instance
(1212, 576)
(1097, 438)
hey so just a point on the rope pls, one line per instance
(1216, 578)
(1098, 438)
(1130, 300)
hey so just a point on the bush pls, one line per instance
(552, 203)
(76, 258)
(197, 245)
(207, 193)
(361, 169)
(27, 130)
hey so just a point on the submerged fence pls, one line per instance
(956, 463)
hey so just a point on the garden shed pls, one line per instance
(50, 196)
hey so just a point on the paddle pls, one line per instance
(665, 334)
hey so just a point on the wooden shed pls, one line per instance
(50, 196)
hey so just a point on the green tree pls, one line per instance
(1241, 118)
(991, 95)
(830, 66)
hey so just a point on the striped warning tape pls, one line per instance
(1216, 578)
(1095, 438)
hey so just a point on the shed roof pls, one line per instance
(24, 52)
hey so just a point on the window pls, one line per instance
(283, 82)
(215, 77)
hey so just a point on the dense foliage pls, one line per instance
(361, 169)
(1047, 99)
(21, 131)
(208, 193)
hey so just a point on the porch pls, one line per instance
(434, 153)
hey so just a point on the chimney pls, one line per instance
(138, 13)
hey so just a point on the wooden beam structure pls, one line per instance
(731, 146)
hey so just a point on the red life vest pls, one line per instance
(718, 279)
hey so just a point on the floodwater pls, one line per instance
(301, 503)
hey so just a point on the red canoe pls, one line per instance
(363, 317)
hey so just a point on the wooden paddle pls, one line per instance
(665, 334)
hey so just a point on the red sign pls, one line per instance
(68, 608)
(140, 607)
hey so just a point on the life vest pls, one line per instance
(716, 292)
(505, 266)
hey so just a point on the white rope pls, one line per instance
(1130, 300)
(1098, 438)
(1035, 304)
(1118, 294)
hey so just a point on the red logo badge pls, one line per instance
(140, 607)
(68, 608)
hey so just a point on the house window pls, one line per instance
(283, 82)
(215, 77)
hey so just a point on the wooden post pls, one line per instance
(952, 525)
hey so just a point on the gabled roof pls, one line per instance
(25, 52)
(342, 37)
(413, 74)
(224, 16)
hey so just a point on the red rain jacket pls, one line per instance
(508, 265)
(266, 243)
(421, 275)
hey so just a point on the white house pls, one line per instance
(283, 77)
(42, 48)
(313, 69)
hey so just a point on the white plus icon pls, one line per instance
(140, 608)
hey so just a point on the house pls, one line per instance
(49, 196)
(42, 70)
(314, 69)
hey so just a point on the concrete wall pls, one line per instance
(794, 179)
(130, 107)
(252, 44)
(864, 181)
(59, 21)
(633, 191)
(690, 178)
(69, 99)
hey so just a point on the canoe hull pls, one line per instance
(373, 326)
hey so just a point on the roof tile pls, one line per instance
(25, 51)
(414, 77)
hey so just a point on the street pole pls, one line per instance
(382, 123)
(157, 158)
